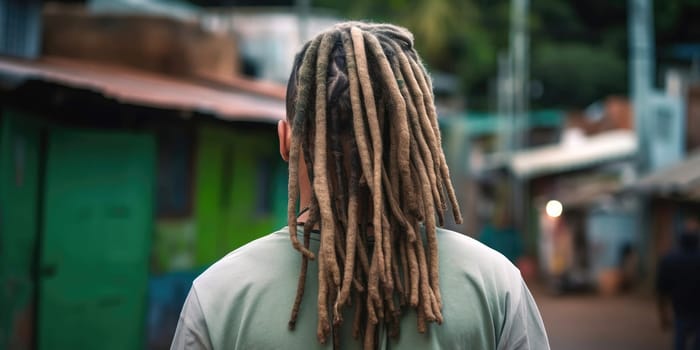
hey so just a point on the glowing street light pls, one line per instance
(554, 208)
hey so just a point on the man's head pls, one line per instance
(691, 224)
(363, 145)
(689, 238)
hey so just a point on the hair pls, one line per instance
(360, 104)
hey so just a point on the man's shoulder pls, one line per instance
(465, 254)
(242, 264)
(250, 285)
(451, 242)
(274, 251)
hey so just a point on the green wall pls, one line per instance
(239, 193)
(44, 190)
(97, 222)
(175, 244)
(240, 190)
(19, 200)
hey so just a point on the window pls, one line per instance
(174, 172)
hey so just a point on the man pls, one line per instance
(679, 281)
(365, 162)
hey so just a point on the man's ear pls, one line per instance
(284, 133)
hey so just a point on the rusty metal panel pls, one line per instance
(242, 102)
(693, 118)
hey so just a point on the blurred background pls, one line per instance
(138, 146)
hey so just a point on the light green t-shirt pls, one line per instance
(244, 301)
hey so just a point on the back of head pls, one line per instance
(689, 239)
(363, 120)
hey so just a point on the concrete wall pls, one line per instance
(157, 44)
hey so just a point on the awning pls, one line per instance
(678, 180)
(130, 86)
(588, 193)
(586, 152)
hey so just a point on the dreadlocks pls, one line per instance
(361, 108)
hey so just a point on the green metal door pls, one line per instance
(96, 240)
(19, 170)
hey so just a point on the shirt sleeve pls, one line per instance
(191, 332)
(523, 328)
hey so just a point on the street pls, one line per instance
(592, 322)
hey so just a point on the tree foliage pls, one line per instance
(579, 49)
(576, 75)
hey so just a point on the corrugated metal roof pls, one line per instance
(597, 149)
(680, 179)
(149, 89)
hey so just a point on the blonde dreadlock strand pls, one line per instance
(362, 114)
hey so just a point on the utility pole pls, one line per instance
(641, 74)
(519, 53)
(641, 70)
(504, 101)
(518, 76)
